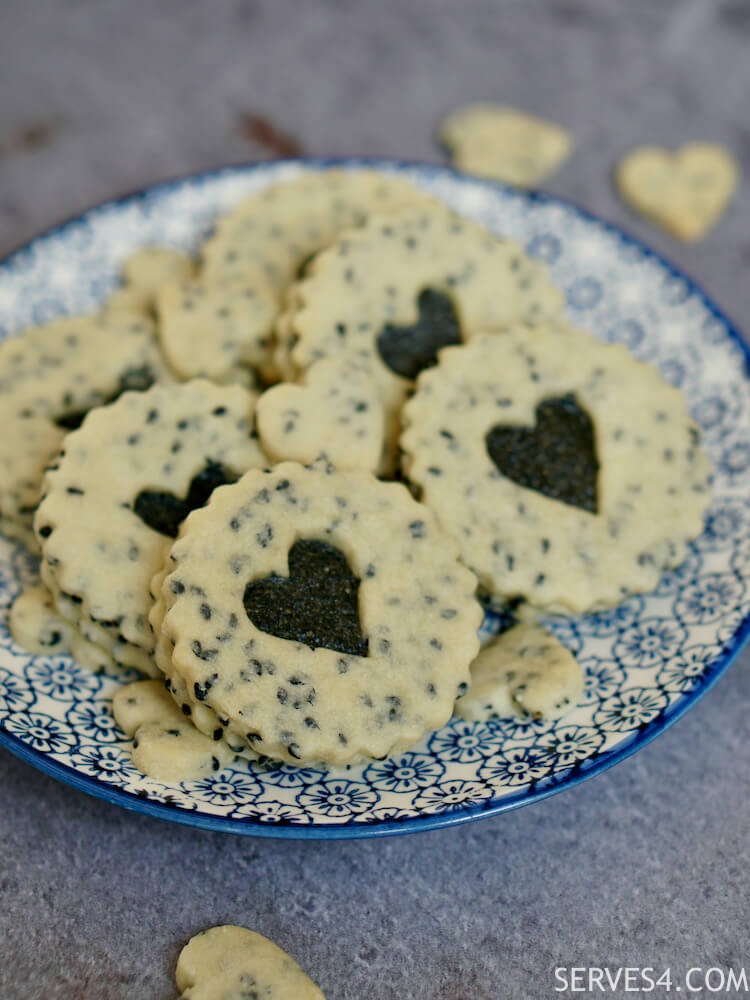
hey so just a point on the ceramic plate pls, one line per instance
(646, 661)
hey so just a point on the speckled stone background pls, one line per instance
(646, 864)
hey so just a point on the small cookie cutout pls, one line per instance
(498, 440)
(166, 745)
(684, 192)
(335, 414)
(315, 615)
(36, 625)
(144, 273)
(505, 144)
(50, 377)
(231, 963)
(525, 671)
(115, 500)
(217, 331)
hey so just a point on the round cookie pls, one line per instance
(395, 291)
(232, 963)
(335, 414)
(50, 376)
(270, 236)
(117, 495)
(313, 614)
(570, 473)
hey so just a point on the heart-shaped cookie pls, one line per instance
(408, 350)
(684, 192)
(557, 457)
(337, 413)
(165, 512)
(318, 603)
(228, 961)
(508, 145)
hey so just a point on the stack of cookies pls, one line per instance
(233, 527)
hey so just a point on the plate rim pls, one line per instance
(416, 824)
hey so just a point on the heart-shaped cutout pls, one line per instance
(557, 457)
(408, 350)
(317, 604)
(685, 192)
(162, 511)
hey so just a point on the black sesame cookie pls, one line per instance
(315, 615)
(220, 331)
(36, 625)
(166, 745)
(50, 376)
(392, 293)
(231, 963)
(570, 473)
(114, 502)
(144, 273)
(269, 237)
(335, 414)
(524, 671)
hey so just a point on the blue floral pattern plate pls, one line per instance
(646, 661)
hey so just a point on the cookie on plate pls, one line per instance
(270, 236)
(50, 376)
(220, 331)
(166, 745)
(336, 414)
(394, 292)
(144, 272)
(570, 473)
(114, 501)
(524, 671)
(312, 614)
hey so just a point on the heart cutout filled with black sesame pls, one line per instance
(408, 350)
(164, 512)
(557, 457)
(317, 604)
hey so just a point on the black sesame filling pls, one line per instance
(164, 512)
(408, 350)
(317, 604)
(557, 457)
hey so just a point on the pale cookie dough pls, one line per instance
(525, 671)
(166, 745)
(316, 615)
(221, 331)
(269, 237)
(114, 502)
(395, 291)
(336, 414)
(36, 625)
(232, 963)
(684, 192)
(50, 376)
(504, 144)
(144, 273)
(617, 480)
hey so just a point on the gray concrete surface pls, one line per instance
(646, 865)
